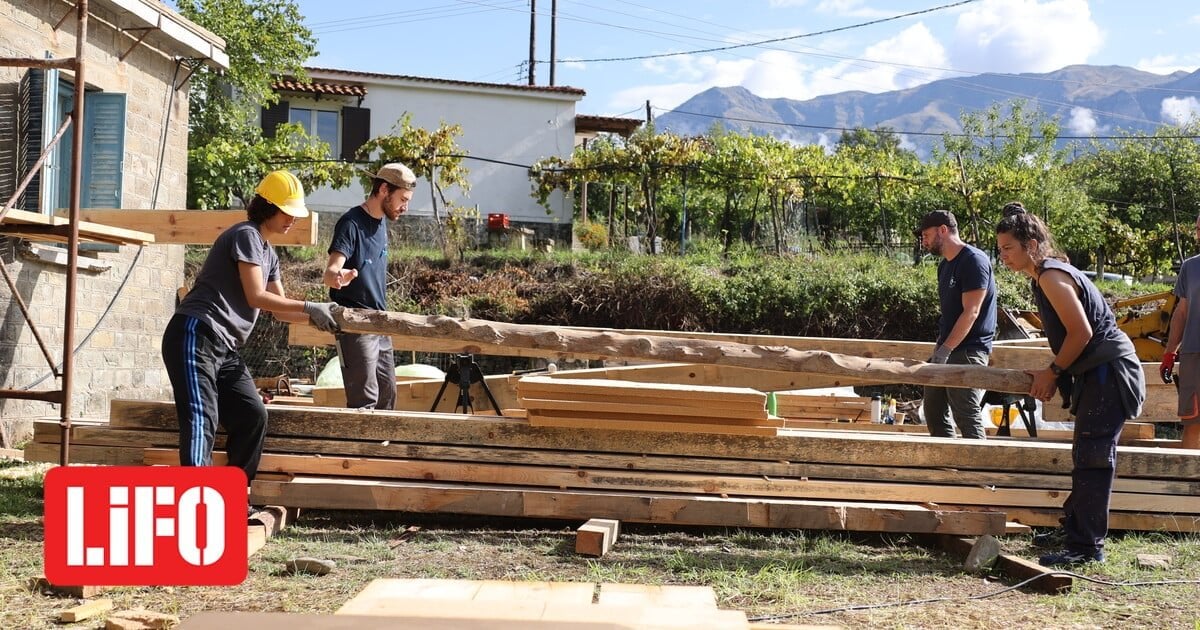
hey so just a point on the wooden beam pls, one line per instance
(798, 446)
(472, 334)
(696, 484)
(85, 611)
(673, 509)
(1014, 567)
(194, 227)
(1012, 357)
(596, 537)
(37, 226)
(47, 432)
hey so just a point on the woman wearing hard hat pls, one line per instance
(200, 346)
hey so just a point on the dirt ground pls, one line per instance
(785, 576)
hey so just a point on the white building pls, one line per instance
(505, 129)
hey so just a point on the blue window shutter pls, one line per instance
(103, 150)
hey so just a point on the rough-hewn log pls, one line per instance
(472, 334)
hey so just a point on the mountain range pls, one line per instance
(1087, 101)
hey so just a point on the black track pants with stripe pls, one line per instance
(212, 384)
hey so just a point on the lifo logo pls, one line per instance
(145, 525)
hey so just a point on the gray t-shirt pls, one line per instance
(218, 298)
(1187, 286)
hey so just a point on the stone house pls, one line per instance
(138, 56)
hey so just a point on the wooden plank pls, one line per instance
(657, 595)
(596, 537)
(816, 447)
(560, 420)
(1129, 521)
(698, 484)
(14, 220)
(80, 454)
(660, 508)
(86, 610)
(193, 227)
(546, 387)
(1014, 567)
(746, 415)
(472, 334)
(86, 435)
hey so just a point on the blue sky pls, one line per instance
(486, 40)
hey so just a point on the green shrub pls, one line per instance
(593, 236)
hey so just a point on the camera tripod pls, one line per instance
(464, 372)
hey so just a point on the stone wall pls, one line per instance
(122, 310)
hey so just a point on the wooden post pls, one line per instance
(477, 333)
(596, 537)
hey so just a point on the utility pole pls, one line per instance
(649, 116)
(532, 39)
(553, 37)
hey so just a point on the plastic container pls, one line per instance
(876, 409)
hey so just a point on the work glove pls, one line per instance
(320, 314)
(1166, 369)
(941, 354)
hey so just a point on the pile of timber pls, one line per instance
(607, 404)
(801, 406)
(490, 465)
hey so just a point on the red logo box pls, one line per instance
(145, 526)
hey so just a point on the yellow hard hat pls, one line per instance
(284, 190)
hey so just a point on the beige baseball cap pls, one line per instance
(397, 175)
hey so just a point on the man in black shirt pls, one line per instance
(356, 275)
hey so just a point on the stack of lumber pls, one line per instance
(498, 466)
(801, 406)
(607, 404)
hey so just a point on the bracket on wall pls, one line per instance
(145, 31)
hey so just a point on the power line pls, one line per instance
(778, 39)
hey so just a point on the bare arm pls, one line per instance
(276, 287)
(259, 297)
(1062, 293)
(972, 302)
(335, 276)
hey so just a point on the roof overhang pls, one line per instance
(585, 124)
(181, 34)
(289, 84)
(560, 93)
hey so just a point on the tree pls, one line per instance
(433, 155)
(227, 153)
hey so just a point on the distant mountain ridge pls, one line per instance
(1115, 96)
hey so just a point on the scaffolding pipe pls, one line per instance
(68, 362)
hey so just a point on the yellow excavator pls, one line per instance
(1145, 318)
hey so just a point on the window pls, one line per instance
(317, 123)
(346, 129)
(46, 100)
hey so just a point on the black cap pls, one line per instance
(935, 219)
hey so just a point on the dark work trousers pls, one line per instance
(964, 404)
(1098, 423)
(368, 371)
(212, 384)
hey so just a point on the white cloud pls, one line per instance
(851, 8)
(786, 4)
(1179, 111)
(781, 74)
(1024, 36)
(1166, 64)
(1195, 19)
(1082, 122)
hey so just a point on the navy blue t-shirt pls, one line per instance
(363, 240)
(969, 271)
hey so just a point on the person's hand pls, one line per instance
(1166, 369)
(1045, 384)
(320, 314)
(941, 354)
(341, 278)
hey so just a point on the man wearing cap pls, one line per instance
(356, 275)
(200, 346)
(967, 294)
